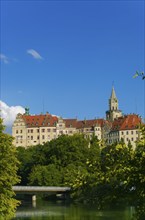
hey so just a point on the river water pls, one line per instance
(45, 210)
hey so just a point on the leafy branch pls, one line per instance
(139, 74)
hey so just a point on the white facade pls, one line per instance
(29, 130)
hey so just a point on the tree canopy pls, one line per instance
(96, 172)
(8, 175)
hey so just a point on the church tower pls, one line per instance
(113, 111)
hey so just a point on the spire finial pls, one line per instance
(113, 95)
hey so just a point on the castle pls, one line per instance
(29, 130)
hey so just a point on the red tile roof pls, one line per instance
(90, 123)
(70, 123)
(50, 121)
(40, 120)
(127, 122)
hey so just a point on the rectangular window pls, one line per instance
(43, 130)
(54, 130)
(131, 132)
(16, 131)
(48, 130)
(37, 137)
(31, 130)
(126, 132)
(31, 137)
(37, 130)
(43, 137)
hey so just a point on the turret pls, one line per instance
(26, 111)
(113, 111)
(113, 101)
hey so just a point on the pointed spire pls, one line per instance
(113, 95)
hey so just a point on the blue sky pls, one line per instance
(64, 56)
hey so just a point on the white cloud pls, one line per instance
(4, 58)
(34, 54)
(8, 113)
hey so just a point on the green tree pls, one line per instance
(68, 149)
(45, 176)
(137, 177)
(8, 175)
(109, 182)
(32, 156)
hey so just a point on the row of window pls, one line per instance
(42, 130)
(19, 131)
(19, 137)
(98, 129)
(43, 136)
(127, 132)
(38, 137)
(117, 140)
(122, 133)
(113, 134)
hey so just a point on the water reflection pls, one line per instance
(61, 211)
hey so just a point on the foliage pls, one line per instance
(64, 151)
(109, 182)
(96, 173)
(45, 176)
(138, 176)
(139, 74)
(8, 175)
(68, 149)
